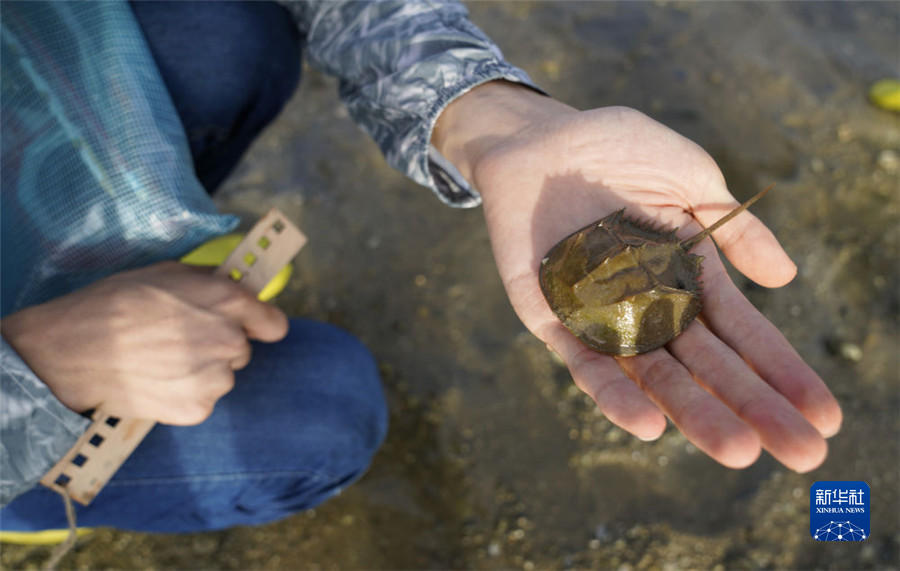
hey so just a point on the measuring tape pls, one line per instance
(110, 440)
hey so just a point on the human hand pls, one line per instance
(731, 382)
(160, 343)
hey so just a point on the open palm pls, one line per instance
(731, 382)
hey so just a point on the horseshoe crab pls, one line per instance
(626, 287)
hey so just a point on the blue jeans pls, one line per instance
(303, 421)
(308, 413)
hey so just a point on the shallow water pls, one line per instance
(494, 459)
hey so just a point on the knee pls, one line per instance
(332, 389)
(346, 384)
(331, 413)
(223, 61)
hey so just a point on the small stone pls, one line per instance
(494, 549)
(420, 280)
(551, 68)
(851, 352)
(889, 161)
(817, 165)
(845, 133)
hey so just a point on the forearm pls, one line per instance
(400, 64)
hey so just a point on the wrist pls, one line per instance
(29, 333)
(488, 118)
(17, 328)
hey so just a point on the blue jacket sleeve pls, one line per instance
(36, 430)
(400, 64)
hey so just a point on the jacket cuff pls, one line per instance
(438, 173)
(36, 429)
(408, 147)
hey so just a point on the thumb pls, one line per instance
(747, 242)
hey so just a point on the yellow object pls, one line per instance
(46, 537)
(216, 251)
(886, 94)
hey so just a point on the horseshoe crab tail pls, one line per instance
(700, 236)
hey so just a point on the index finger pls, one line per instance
(259, 320)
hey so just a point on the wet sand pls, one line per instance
(494, 459)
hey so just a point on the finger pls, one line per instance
(259, 320)
(703, 419)
(191, 401)
(242, 357)
(783, 431)
(195, 285)
(215, 339)
(745, 240)
(732, 318)
(599, 376)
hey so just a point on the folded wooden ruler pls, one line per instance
(109, 440)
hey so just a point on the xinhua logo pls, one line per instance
(839, 511)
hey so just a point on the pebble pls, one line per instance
(456, 290)
(845, 133)
(494, 549)
(851, 352)
(889, 161)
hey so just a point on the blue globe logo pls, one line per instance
(840, 531)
